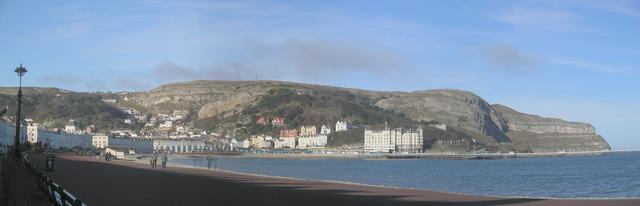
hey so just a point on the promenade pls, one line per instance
(97, 183)
(17, 186)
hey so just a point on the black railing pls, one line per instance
(56, 194)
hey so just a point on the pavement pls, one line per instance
(119, 182)
(18, 187)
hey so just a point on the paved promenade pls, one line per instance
(17, 186)
(125, 183)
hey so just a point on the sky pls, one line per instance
(575, 60)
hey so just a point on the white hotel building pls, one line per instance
(393, 140)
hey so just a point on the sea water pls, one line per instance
(614, 175)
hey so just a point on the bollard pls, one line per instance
(49, 163)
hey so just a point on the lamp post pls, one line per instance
(20, 71)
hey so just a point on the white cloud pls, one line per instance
(630, 8)
(593, 66)
(541, 19)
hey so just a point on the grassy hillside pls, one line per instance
(317, 108)
(54, 111)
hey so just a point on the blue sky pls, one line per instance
(576, 60)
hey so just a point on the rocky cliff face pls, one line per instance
(209, 98)
(452, 107)
(517, 121)
(493, 124)
(540, 134)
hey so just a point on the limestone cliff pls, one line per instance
(549, 134)
(452, 107)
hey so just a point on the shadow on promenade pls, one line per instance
(18, 187)
(100, 183)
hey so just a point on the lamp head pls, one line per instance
(21, 70)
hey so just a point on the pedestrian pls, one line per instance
(164, 160)
(155, 160)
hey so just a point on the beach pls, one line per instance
(123, 182)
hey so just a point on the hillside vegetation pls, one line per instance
(54, 109)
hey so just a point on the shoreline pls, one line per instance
(443, 156)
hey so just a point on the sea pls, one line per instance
(608, 176)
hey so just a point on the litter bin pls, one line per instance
(49, 163)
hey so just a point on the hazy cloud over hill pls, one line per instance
(290, 58)
(506, 57)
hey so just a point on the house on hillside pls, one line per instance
(288, 133)
(325, 130)
(262, 120)
(308, 130)
(342, 126)
(277, 121)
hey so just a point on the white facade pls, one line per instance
(117, 152)
(239, 144)
(181, 129)
(259, 142)
(393, 140)
(342, 126)
(100, 141)
(246, 143)
(325, 130)
(312, 141)
(309, 130)
(167, 125)
(442, 127)
(180, 146)
(278, 144)
(286, 143)
(56, 140)
(32, 133)
(70, 129)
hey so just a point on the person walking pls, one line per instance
(155, 160)
(164, 160)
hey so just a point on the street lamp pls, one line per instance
(20, 71)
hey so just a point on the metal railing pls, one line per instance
(55, 192)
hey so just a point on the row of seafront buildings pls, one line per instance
(307, 137)
(66, 139)
(385, 140)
